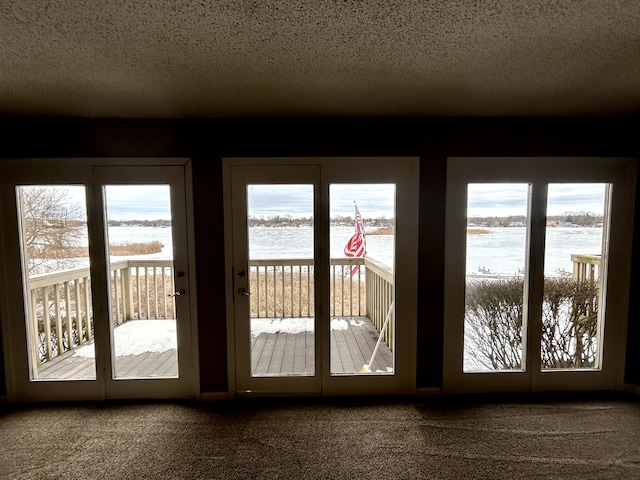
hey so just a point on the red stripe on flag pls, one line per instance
(357, 245)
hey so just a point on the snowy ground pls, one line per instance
(136, 337)
(295, 325)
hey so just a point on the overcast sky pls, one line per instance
(489, 200)
(373, 200)
(151, 202)
(138, 202)
(130, 202)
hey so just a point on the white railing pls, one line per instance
(379, 293)
(586, 267)
(60, 308)
(140, 289)
(285, 288)
(61, 314)
(55, 298)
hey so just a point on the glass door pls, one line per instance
(314, 293)
(372, 279)
(144, 234)
(275, 271)
(536, 273)
(48, 308)
(100, 255)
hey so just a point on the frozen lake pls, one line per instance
(501, 250)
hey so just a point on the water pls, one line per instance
(297, 242)
(501, 251)
(267, 243)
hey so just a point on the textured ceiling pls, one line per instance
(254, 58)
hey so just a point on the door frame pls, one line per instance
(621, 173)
(347, 170)
(65, 171)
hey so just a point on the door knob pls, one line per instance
(243, 291)
(177, 293)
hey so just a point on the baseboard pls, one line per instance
(631, 388)
(213, 396)
(428, 392)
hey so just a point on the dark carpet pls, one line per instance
(445, 438)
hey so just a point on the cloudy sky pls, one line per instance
(129, 202)
(489, 200)
(138, 202)
(373, 200)
(151, 202)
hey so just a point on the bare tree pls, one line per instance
(51, 225)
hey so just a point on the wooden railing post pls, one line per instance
(128, 304)
(88, 308)
(35, 331)
(67, 307)
(47, 323)
(58, 316)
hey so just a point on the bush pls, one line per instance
(493, 324)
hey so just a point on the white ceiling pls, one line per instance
(255, 58)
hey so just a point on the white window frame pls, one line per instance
(620, 173)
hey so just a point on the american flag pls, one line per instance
(357, 244)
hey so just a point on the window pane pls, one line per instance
(362, 310)
(281, 278)
(143, 315)
(495, 271)
(571, 318)
(58, 283)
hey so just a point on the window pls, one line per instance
(537, 269)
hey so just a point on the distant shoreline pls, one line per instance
(380, 231)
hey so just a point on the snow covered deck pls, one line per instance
(279, 347)
(143, 348)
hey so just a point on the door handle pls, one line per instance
(177, 293)
(243, 291)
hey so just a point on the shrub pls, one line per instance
(494, 315)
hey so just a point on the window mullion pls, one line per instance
(534, 287)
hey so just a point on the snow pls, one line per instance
(295, 325)
(136, 337)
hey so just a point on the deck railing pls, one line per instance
(60, 307)
(379, 293)
(60, 311)
(61, 314)
(586, 267)
(285, 288)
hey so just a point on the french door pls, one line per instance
(537, 268)
(96, 280)
(321, 263)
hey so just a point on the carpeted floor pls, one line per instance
(308, 439)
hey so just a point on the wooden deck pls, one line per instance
(273, 354)
(149, 364)
(144, 349)
(283, 354)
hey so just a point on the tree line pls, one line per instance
(583, 219)
(338, 220)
